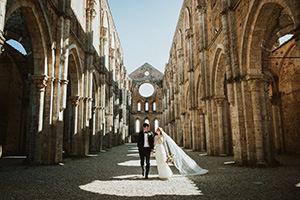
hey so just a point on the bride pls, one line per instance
(161, 153)
(185, 164)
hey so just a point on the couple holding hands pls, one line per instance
(164, 147)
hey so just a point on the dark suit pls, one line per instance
(145, 151)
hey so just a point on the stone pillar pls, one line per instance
(214, 127)
(254, 83)
(219, 102)
(65, 63)
(74, 127)
(227, 50)
(195, 130)
(2, 24)
(182, 130)
(208, 128)
(202, 131)
(85, 129)
(35, 128)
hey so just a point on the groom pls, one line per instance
(145, 145)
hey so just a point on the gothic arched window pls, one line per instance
(146, 106)
(137, 126)
(156, 124)
(154, 106)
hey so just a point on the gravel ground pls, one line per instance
(116, 174)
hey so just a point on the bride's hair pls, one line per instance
(160, 130)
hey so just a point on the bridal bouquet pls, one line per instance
(170, 159)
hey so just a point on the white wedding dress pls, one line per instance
(161, 149)
(185, 164)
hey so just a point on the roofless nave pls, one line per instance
(229, 87)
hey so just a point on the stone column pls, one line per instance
(226, 39)
(208, 128)
(35, 128)
(254, 83)
(74, 127)
(85, 130)
(202, 131)
(2, 23)
(219, 102)
(214, 127)
(182, 129)
(65, 63)
(195, 130)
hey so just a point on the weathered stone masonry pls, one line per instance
(149, 107)
(68, 94)
(230, 86)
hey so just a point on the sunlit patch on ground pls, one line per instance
(133, 155)
(135, 185)
(133, 151)
(15, 157)
(135, 163)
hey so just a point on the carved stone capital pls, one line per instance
(40, 81)
(254, 80)
(180, 53)
(189, 33)
(56, 80)
(64, 82)
(255, 77)
(104, 32)
(75, 100)
(219, 100)
(111, 52)
(2, 41)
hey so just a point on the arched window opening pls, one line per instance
(147, 121)
(154, 106)
(146, 106)
(156, 124)
(17, 45)
(137, 126)
(284, 38)
(139, 106)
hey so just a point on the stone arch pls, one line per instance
(14, 101)
(259, 33)
(39, 29)
(73, 95)
(38, 40)
(261, 17)
(221, 118)
(218, 73)
(75, 69)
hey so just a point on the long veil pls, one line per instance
(185, 164)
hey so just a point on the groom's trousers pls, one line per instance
(145, 153)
